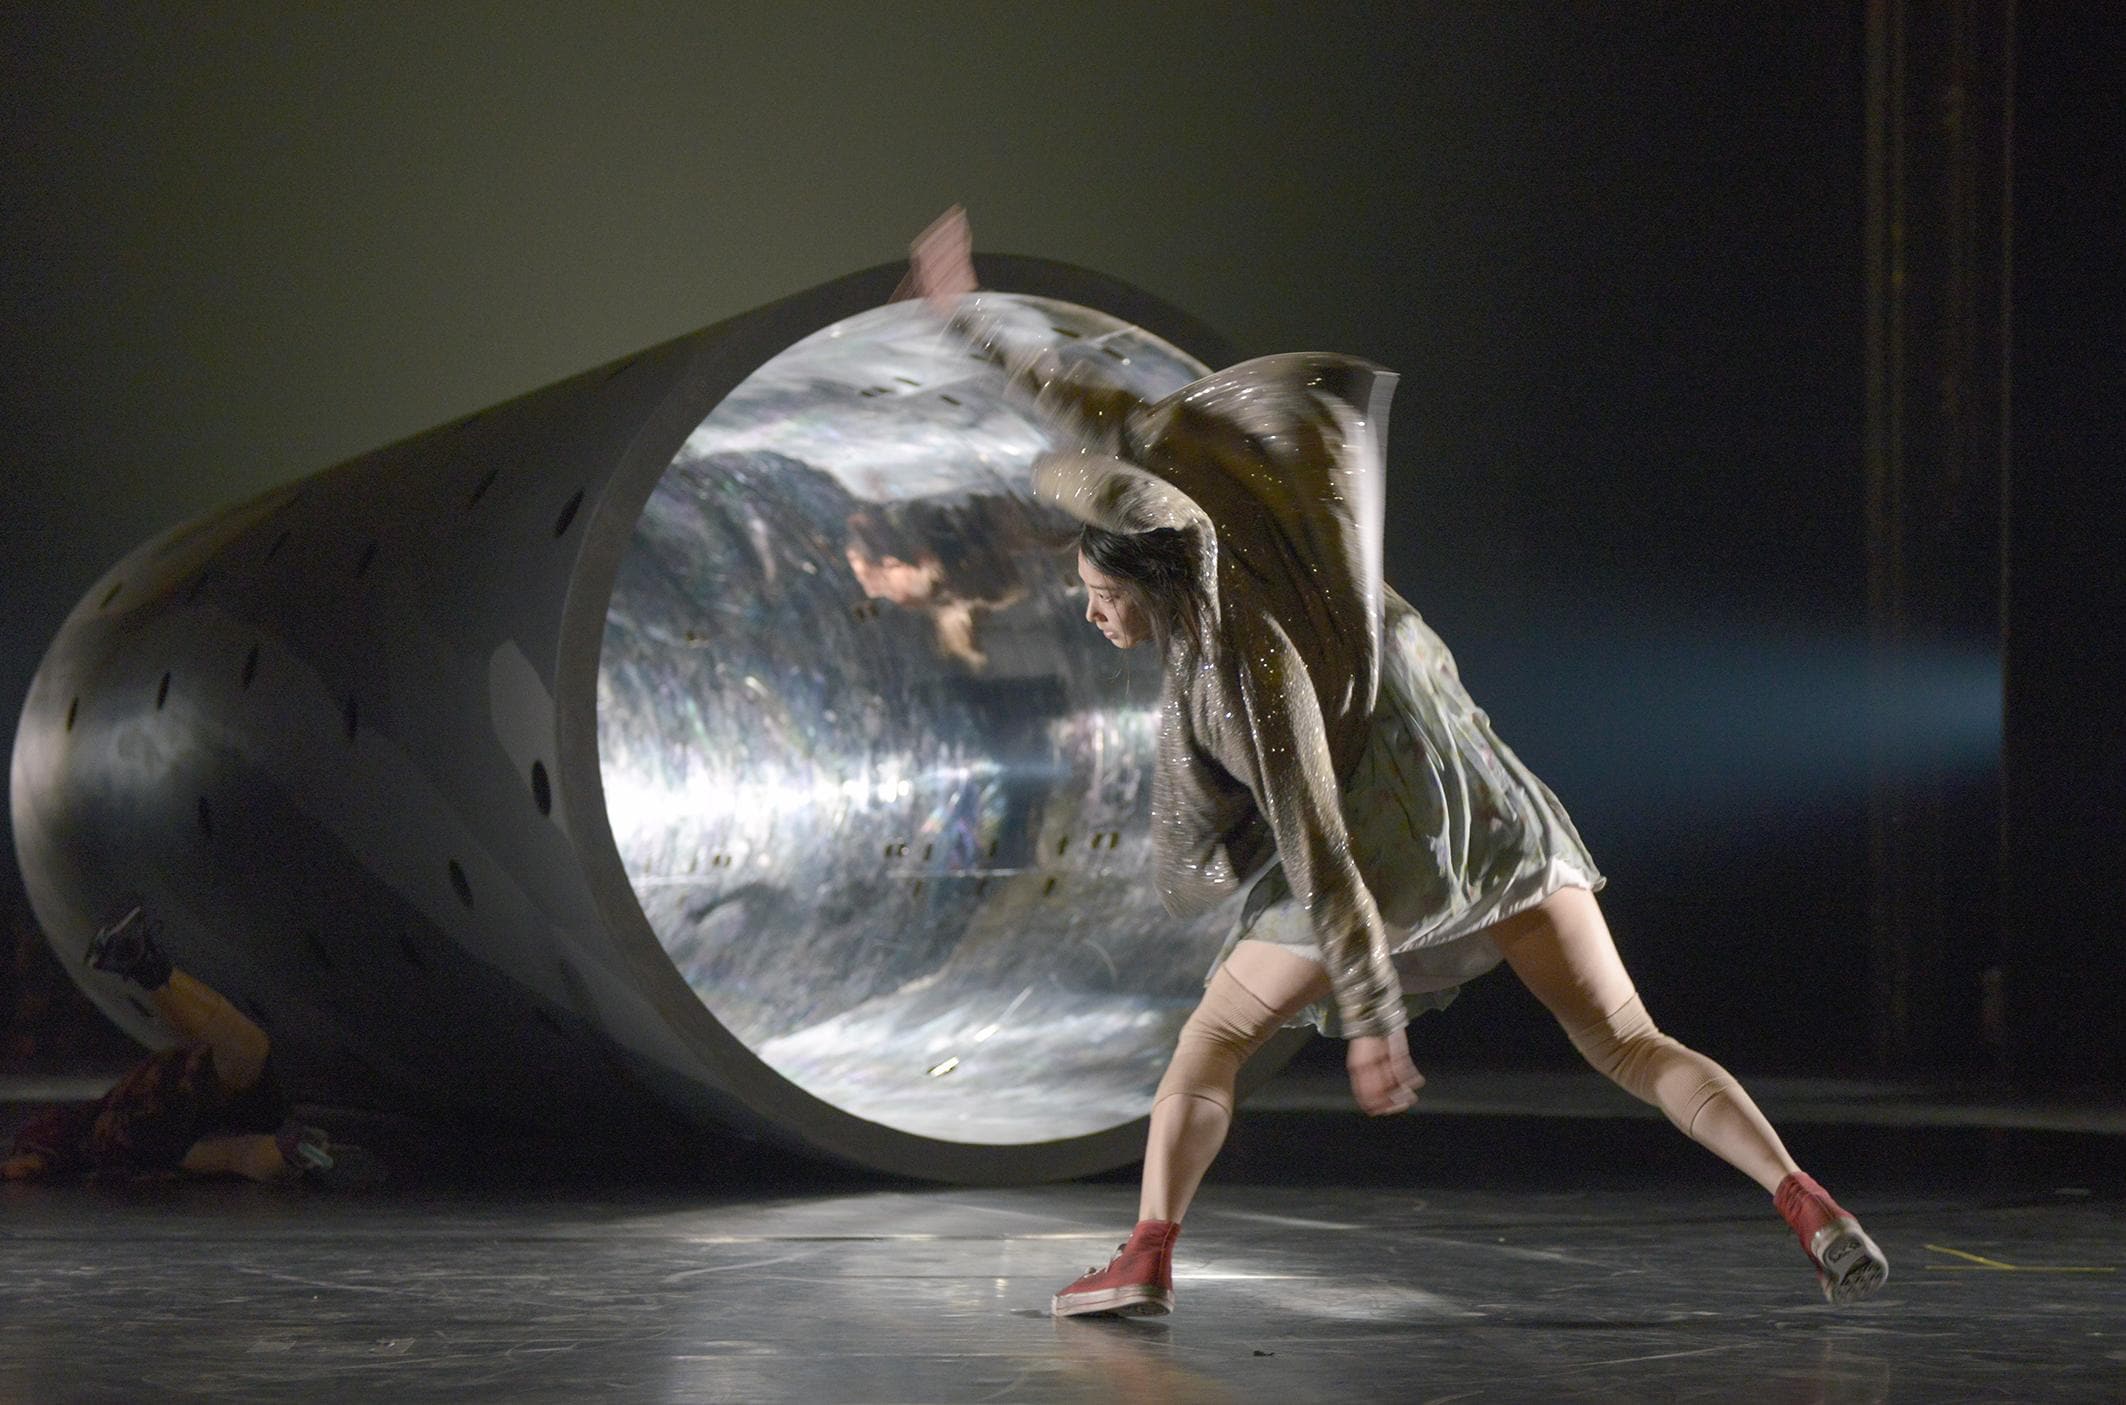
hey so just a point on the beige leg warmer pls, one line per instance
(1254, 993)
(1563, 953)
(1700, 1097)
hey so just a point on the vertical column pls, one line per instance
(2064, 745)
(1936, 436)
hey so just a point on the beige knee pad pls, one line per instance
(1627, 1049)
(1229, 1024)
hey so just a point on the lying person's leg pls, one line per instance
(197, 1012)
(253, 1155)
(201, 1014)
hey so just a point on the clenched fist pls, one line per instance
(1382, 1077)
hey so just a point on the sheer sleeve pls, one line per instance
(1302, 801)
(1207, 831)
(1070, 397)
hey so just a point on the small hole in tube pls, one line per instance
(361, 567)
(460, 883)
(568, 513)
(250, 666)
(73, 709)
(275, 549)
(481, 491)
(162, 692)
(111, 594)
(542, 791)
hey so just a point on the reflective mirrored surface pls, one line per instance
(880, 790)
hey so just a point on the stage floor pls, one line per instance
(1449, 1258)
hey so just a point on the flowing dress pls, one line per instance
(1316, 745)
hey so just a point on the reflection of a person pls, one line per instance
(207, 1106)
(954, 561)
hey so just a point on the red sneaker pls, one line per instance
(1849, 1265)
(1137, 1282)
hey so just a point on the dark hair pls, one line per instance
(1157, 567)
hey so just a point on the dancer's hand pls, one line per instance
(1382, 1077)
(941, 264)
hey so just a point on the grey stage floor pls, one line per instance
(1455, 1258)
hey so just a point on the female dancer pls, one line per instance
(1316, 747)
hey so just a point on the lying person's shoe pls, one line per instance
(325, 1163)
(127, 949)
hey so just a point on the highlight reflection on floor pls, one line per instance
(1469, 1279)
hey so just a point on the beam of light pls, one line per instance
(1742, 729)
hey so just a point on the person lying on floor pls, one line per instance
(208, 1106)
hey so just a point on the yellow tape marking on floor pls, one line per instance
(1980, 1261)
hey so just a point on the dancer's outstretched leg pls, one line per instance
(1259, 987)
(1563, 953)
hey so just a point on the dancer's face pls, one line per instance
(1110, 609)
(890, 578)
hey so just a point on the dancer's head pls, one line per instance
(1137, 584)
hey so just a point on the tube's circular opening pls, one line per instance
(880, 791)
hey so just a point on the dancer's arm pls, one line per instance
(1302, 802)
(1070, 397)
(1300, 797)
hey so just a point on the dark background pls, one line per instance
(1617, 252)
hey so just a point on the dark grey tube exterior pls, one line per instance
(344, 739)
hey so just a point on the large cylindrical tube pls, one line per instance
(713, 733)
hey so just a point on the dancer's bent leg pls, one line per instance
(1563, 953)
(1254, 993)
